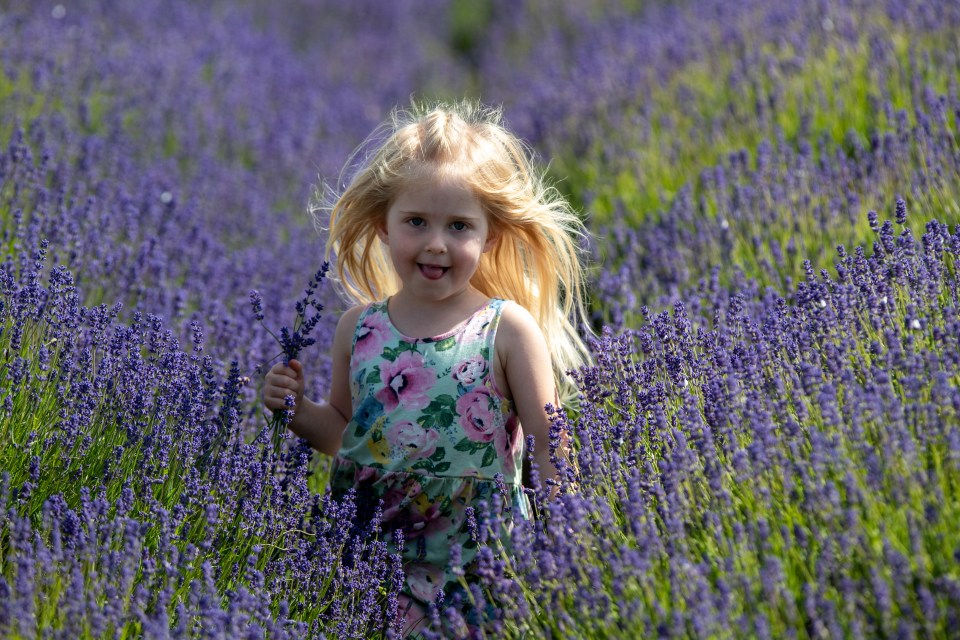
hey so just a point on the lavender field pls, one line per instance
(766, 446)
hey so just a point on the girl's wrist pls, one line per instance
(300, 418)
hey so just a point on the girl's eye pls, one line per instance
(416, 222)
(459, 226)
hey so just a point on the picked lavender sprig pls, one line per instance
(292, 341)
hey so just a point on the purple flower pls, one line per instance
(901, 211)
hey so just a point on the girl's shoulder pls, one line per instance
(347, 326)
(351, 316)
(513, 312)
(517, 327)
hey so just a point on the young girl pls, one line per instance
(466, 272)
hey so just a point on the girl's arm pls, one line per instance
(321, 424)
(522, 351)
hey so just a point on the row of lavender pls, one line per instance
(791, 471)
(750, 466)
(741, 134)
(146, 185)
(177, 145)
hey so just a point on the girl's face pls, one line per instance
(436, 231)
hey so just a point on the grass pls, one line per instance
(696, 120)
(707, 111)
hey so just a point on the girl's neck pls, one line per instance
(419, 319)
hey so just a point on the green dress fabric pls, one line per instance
(431, 434)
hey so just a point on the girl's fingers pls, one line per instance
(282, 381)
(294, 370)
(281, 373)
(277, 396)
(280, 392)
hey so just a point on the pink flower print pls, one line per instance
(470, 370)
(476, 418)
(424, 580)
(477, 328)
(412, 611)
(396, 499)
(405, 382)
(372, 334)
(424, 519)
(363, 473)
(412, 440)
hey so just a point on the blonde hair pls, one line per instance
(537, 259)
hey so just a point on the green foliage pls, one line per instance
(833, 96)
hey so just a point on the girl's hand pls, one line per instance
(282, 381)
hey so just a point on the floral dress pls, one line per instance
(431, 435)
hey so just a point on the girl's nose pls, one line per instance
(435, 244)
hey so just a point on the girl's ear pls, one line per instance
(493, 238)
(382, 232)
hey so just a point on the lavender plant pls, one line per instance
(824, 111)
(114, 522)
(292, 342)
(787, 471)
(766, 445)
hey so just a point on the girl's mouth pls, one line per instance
(432, 271)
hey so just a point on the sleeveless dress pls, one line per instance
(431, 434)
